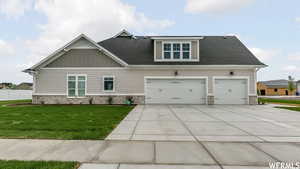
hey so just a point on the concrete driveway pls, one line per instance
(209, 123)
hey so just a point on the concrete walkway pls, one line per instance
(151, 153)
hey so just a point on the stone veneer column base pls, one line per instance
(46, 99)
(210, 100)
(253, 100)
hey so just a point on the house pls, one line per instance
(24, 86)
(148, 70)
(275, 88)
(5, 85)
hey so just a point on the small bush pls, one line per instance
(110, 100)
(129, 100)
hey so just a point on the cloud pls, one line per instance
(6, 49)
(264, 54)
(98, 19)
(291, 68)
(15, 8)
(295, 56)
(297, 19)
(215, 6)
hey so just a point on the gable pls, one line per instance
(83, 58)
(82, 43)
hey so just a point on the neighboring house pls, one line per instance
(24, 86)
(148, 69)
(5, 85)
(275, 88)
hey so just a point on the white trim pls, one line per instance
(114, 85)
(33, 84)
(91, 94)
(176, 77)
(198, 49)
(49, 94)
(255, 80)
(159, 67)
(115, 94)
(154, 52)
(233, 77)
(177, 38)
(195, 66)
(76, 85)
(102, 49)
(81, 48)
(81, 68)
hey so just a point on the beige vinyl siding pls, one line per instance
(54, 81)
(84, 58)
(158, 48)
(194, 48)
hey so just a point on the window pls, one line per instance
(76, 85)
(177, 51)
(167, 51)
(185, 51)
(108, 84)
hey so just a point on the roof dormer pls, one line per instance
(176, 49)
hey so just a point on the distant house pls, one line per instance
(275, 88)
(24, 86)
(5, 85)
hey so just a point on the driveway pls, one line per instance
(226, 123)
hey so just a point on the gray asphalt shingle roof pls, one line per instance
(281, 83)
(214, 50)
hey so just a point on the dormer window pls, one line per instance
(176, 51)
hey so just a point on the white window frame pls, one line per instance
(181, 51)
(76, 85)
(103, 85)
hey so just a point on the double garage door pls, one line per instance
(194, 91)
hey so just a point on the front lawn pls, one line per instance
(290, 108)
(59, 121)
(37, 165)
(280, 101)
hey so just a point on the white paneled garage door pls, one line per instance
(175, 91)
(231, 91)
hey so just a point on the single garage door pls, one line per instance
(175, 91)
(231, 91)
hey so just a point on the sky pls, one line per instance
(32, 29)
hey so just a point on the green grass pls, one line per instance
(14, 102)
(60, 121)
(267, 100)
(290, 108)
(37, 165)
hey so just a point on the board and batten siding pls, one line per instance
(127, 81)
(83, 58)
(195, 48)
